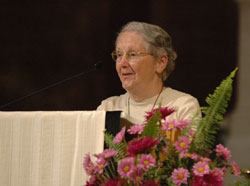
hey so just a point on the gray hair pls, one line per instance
(159, 42)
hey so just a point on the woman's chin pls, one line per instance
(127, 86)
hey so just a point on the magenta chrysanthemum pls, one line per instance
(119, 136)
(126, 166)
(223, 152)
(235, 169)
(88, 165)
(179, 176)
(136, 176)
(214, 178)
(112, 182)
(182, 144)
(151, 183)
(136, 129)
(146, 161)
(141, 145)
(201, 168)
(165, 111)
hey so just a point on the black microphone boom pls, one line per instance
(96, 66)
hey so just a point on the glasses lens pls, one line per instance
(114, 56)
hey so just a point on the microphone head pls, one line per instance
(98, 65)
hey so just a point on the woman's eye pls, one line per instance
(132, 54)
(119, 55)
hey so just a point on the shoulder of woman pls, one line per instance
(111, 102)
(185, 105)
(176, 95)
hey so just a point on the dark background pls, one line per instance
(42, 42)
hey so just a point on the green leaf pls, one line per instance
(205, 137)
(120, 148)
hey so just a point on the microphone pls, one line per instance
(94, 67)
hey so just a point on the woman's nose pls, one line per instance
(124, 60)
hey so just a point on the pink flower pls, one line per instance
(100, 165)
(182, 144)
(185, 154)
(169, 125)
(136, 176)
(205, 159)
(146, 161)
(119, 136)
(93, 181)
(180, 176)
(181, 124)
(165, 111)
(235, 169)
(109, 153)
(201, 168)
(126, 166)
(191, 134)
(223, 151)
(106, 154)
(88, 165)
(218, 174)
(141, 145)
(136, 129)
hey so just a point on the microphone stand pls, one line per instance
(92, 68)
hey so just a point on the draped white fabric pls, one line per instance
(48, 148)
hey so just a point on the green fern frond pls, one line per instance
(120, 148)
(218, 102)
(152, 128)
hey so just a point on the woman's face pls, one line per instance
(139, 72)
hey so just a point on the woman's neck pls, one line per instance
(142, 94)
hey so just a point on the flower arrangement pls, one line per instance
(167, 152)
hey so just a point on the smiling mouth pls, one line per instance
(126, 75)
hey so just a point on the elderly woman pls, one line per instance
(144, 58)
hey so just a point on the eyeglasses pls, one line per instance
(130, 55)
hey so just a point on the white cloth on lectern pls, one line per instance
(48, 148)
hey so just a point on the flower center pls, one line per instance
(126, 168)
(100, 166)
(138, 178)
(146, 162)
(201, 169)
(180, 176)
(170, 125)
(182, 144)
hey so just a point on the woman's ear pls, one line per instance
(161, 64)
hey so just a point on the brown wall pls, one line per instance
(44, 42)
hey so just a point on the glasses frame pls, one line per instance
(127, 55)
